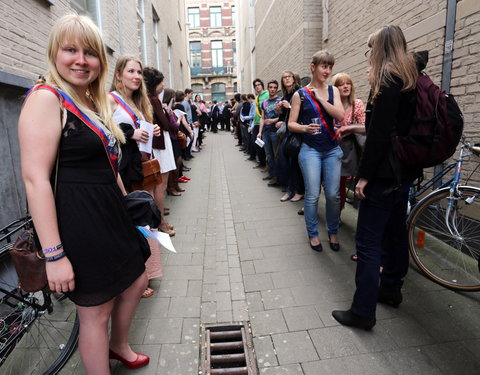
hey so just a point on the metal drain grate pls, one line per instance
(227, 349)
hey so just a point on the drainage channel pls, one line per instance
(227, 349)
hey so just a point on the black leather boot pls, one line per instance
(390, 295)
(348, 318)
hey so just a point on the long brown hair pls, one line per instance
(339, 79)
(389, 60)
(139, 97)
(66, 29)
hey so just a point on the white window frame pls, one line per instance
(156, 39)
(218, 57)
(85, 8)
(142, 29)
(217, 19)
(193, 17)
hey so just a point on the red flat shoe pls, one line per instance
(186, 178)
(141, 361)
(182, 180)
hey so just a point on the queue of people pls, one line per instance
(343, 143)
(91, 142)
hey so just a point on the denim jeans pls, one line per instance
(381, 240)
(317, 168)
(270, 139)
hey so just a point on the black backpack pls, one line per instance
(436, 129)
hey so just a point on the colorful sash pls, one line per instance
(69, 105)
(316, 106)
(126, 107)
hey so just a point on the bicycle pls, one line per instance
(38, 331)
(444, 228)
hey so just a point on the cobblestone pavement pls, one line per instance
(244, 255)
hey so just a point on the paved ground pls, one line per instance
(244, 255)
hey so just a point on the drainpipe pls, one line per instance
(447, 58)
(448, 48)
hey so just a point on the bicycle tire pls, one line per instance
(449, 260)
(33, 340)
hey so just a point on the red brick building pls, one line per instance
(212, 48)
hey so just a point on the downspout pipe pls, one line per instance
(448, 47)
(447, 58)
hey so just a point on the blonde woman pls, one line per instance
(94, 252)
(130, 103)
(381, 238)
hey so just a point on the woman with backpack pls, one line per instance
(383, 185)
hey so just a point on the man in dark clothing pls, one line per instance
(214, 115)
(226, 116)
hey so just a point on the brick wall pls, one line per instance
(287, 33)
(24, 30)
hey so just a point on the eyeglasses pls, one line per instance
(289, 76)
(367, 52)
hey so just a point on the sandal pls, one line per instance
(148, 293)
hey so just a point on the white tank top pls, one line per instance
(120, 115)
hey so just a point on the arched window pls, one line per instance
(219, 92)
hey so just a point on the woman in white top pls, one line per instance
(130, 104)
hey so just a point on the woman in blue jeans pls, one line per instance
(384, 181)
(314, 108)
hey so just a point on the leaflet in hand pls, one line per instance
(147, 146)
(259, 142)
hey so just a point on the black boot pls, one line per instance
(390, 295)
(348, 318)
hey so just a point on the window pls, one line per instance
(218, 92)
(194, 17)
(217, 53)
(169, 56)
(215, 16)
(142, 37)
(156, 39)
(195, 58)
(235, 87)
(89, 8)
(234, 50)
(234, 15)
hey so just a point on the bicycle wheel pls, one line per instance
(38, 338)
(446, 246)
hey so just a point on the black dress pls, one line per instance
(107, 252)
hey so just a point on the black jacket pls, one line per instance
(392, 113)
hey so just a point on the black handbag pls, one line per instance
(293, 144)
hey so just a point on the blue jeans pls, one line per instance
(317, 168)
(271, 140)
(381, 240)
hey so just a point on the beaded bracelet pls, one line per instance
(56, 257)
(52, 249)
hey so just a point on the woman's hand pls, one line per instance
(156, 130)
(360, 187)
(313, 129)
(278, 124)
(60, 275)
(140, 135)
(343, 131)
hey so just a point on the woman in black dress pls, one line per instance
(94, 252)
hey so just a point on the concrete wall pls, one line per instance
(24, 29)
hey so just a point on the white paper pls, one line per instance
(259, 142)
(162, 238)
(179, 113)
(147, 146)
